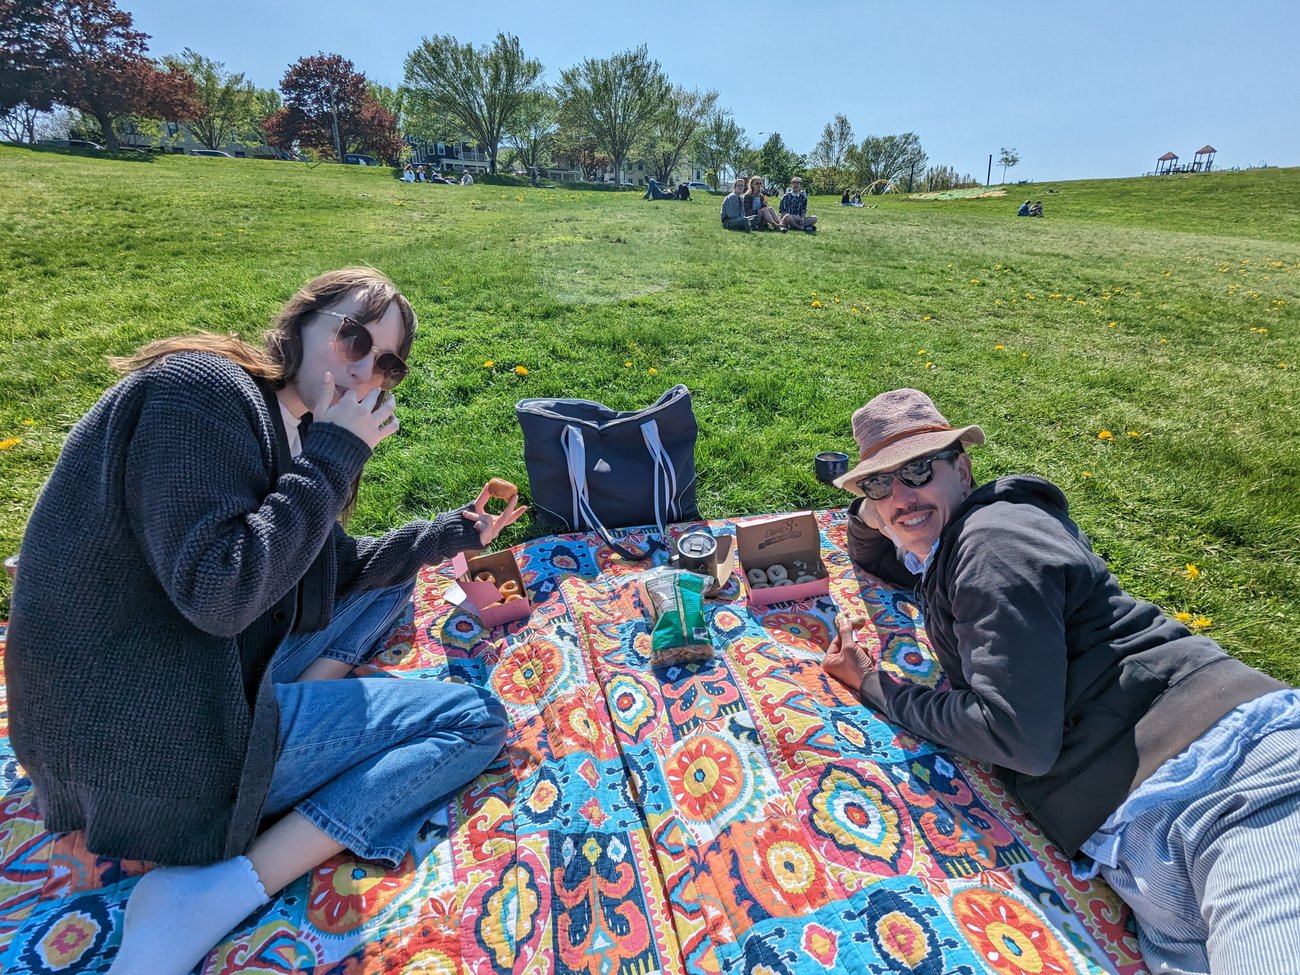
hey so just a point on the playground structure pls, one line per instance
(1202, 162)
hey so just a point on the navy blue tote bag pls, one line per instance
(591, 468)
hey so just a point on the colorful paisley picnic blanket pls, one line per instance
(740, 815)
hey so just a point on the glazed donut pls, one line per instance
(756, 576)
(485, 576)
(775, 573)
(511, 598)
(783, 582)
(509, 588)
(805, 578)
(760, 585)
(499, 487)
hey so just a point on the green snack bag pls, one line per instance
(676, 602)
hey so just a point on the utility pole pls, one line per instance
(338, 145)
(989, 178)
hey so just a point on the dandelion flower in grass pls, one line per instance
(489, 364)
(974, 280)
(920, 351)
(627, 365)
(1201, 622)
(652, 371)
(1087, 473)
(1134, 433)
(999, 348)
(1183, 617)
(1111, 324)
(1164, 341)
(813, 293)
(837, 299)
(521, 370)
(28, 423)
(925, 318)
(10, 442)
(854, 310)
(929, 365)
(1105, 435)
(1192, 572)
(815, 303)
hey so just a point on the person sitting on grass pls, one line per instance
(408, 174)
(733, 209)
(467, 179)
(845, 201)
(794, 207)
(683, 191)
(186, 581)
(1037, 209)
(857, 199)
(756, 206)
(1024, 209)
(1144, 749)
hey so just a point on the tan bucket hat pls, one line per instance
(898, 426)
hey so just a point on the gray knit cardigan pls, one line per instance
(175, 545)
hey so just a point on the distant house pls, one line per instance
(450, 157)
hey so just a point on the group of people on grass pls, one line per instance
(653, 191)
(851, 200)
(188, 608)
(419, 174)
(746, 208)
(1028, 209)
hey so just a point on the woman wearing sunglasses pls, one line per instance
(185, 593)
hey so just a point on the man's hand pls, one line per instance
(489, 525)
(845, 659)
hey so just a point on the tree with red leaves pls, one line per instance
(31, 47)
(325, 91)
(103, 70)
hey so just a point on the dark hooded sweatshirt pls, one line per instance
(1075, 691)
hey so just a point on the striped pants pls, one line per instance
(1214, 881)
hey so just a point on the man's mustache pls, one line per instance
(910, 510)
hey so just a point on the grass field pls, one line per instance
(1160, 310)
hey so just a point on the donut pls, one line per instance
(757, 576)
(499, 487)
(775, 573)
(760, 585)
(511, 598)
(783, 582)
(509, 588)
(485, 576)
(805, 578)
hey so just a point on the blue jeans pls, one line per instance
(368, 761)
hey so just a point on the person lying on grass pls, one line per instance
(1144, 749)
(185, 599)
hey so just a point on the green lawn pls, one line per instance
(1162, 310)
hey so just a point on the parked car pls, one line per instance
(699, 186)
(73, 144)
(211, 152)
(360, 159)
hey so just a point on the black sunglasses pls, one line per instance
(916, 473)
(354, 342)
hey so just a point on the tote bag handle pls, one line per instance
(665, 486)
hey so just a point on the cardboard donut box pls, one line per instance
(785, 540)
(483, 599)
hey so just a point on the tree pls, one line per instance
(882, 159)
(480, 89)
(18, 124)
(683, 115)
(327, 107)
(31, 48)
(946, 178)
(828, 156)
(227, 103)
(715, 145)
(616, 100)
(106, 72)
(778, 164)
(1007, 160)
(532, 132)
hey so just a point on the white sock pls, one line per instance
(176, 915)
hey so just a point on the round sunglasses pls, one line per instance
(916, 473)
(354, 343)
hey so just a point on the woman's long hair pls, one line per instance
(278, 362)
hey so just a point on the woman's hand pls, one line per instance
(366, 417)
(489, 525)
(845, 659)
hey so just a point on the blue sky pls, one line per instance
(1082, 90)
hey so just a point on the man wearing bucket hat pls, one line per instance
(1149, 751)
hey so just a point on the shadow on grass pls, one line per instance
(120, 155)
